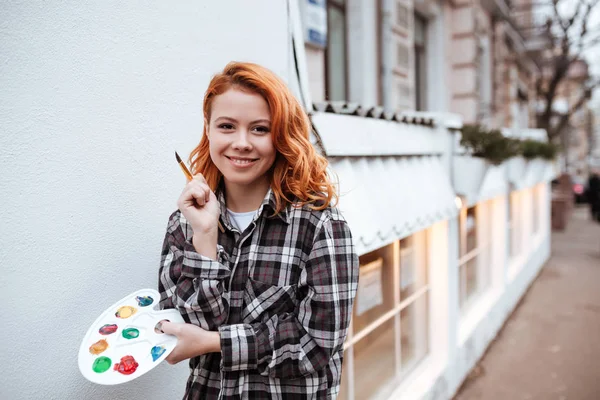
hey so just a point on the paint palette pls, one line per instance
(122, 344)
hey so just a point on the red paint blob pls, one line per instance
(108, 329)
(127, 366)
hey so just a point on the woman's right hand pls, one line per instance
(200, 206)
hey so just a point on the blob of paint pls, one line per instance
(157, 351)
(127, 366)
(108, 329)
(125, 312)
(144, 301)
(101, 364)
(99, 346)
(131, 333)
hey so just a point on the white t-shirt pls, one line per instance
(241, 220)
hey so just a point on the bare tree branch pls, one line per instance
(584, 22)
(555, 131)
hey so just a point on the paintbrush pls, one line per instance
(189, 177)
(184, 168)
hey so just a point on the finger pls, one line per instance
(198, 195)
(170, 328)
(200, 178)
(174, 357)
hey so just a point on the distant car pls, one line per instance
(579, 190)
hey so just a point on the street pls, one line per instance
(550, 346)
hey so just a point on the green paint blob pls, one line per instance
(130, 333)
(102, 364)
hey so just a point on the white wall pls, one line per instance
(95, 97)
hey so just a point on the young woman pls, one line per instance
(257, 260)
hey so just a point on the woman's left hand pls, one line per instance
(192, 341)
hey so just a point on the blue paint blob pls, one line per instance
(157, 351)
(144, 301)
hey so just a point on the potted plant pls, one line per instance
(484, 152)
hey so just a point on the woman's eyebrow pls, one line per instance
(226, 119)
(264, 121)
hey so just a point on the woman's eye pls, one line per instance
(226, 127)
(262, 129)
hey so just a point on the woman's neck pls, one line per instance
(245, 198)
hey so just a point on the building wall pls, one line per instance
(96, 96)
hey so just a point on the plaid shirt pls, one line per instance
(280, 294)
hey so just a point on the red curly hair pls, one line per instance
(299, 173)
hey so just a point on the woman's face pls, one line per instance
(239, 132)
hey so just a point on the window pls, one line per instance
(536, 210)
(514, 225)
(484, 80)
(474, 246)
(336, 63)
(389, 333)
(420, 38)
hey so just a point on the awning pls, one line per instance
(388, 198)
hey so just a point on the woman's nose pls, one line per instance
(242, 142)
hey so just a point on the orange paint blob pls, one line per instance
(99, 346)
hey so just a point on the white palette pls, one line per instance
(133, 336)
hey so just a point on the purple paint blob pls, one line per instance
(108, 329)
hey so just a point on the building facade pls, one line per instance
(438, 278)
(99, 95)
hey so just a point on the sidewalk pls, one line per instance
(550, 346)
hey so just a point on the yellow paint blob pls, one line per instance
(125, 312)
(99, 346)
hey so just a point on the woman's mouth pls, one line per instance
(241, 161)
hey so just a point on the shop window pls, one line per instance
(536, 209)
(336, 59)
(390, 322)
(375, 360)
(514, 225)
(475, 247)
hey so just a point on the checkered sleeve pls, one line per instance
(295, 344)
(190, 282)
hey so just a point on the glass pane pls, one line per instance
(421, 79)
(374, 361)
(471, 275)
(471, 229)
(413, 264)
(535, 211)
(462, 280)
(375, 294)
(414, 327)
(420, 26)
(336, 54)
(343, 395)
(514, 239)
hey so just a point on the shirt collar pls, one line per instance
(267, 207)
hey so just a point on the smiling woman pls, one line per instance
(267, 300)
(241, 146)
